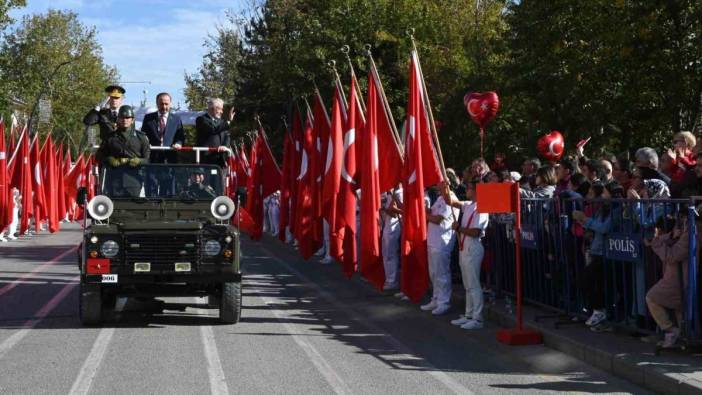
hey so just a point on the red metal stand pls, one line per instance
(518, 336)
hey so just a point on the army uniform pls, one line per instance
(124, 151)
(105, 118)
(201, 190)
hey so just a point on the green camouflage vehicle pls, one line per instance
(159, 230)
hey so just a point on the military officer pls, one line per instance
(124, 150)
(105, 116)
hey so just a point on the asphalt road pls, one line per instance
(305, 329)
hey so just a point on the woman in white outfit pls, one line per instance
(469, 232)
(440, 242)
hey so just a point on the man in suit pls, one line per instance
(212, 131)
(163, 128)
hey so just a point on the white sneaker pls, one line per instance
(671, 337)
(461, 320)
(442, 309)
(320, 252)
(596, 317)
(401, 296)
(390, 287)
(429, 306)
(327, 260)
(472, 324)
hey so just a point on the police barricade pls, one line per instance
(556, 250)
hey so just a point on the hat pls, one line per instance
(115, 91)
(125, 112)
(515, 176)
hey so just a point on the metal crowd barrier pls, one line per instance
(553, 258)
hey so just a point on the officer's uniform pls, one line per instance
(201, 190)
(105, 118)
(129, 144)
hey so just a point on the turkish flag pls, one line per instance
(345, 229)
(40, 209)
(246, 222)
(390, 169)
(22, 179)
(295, 169)
(70, 199)
(306, 180)
(265, 179)
(320, 133)
(332, 168)
(72, 182)
(421, 169)
(4, 181)
(51, 184)
(371, 260)
(61, 195)
(284, 216)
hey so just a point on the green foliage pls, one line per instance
(626, 72)
(5, 7)
(54, 57)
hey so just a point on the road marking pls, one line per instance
(7, 288)
(11, 341)
(400, 347)
(325, 368)
(218, 382)
(90, 367)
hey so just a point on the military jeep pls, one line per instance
(159, 230)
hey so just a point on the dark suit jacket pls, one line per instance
(212, 132)
(174, 134)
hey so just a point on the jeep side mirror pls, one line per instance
(82, 196)
(241, 192)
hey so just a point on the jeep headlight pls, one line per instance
(212, 247)
(110, 248)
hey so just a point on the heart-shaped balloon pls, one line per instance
(482, 107)
(551, 146)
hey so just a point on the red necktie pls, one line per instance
(162, 127)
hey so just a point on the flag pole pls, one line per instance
(425, 94)
(337, 82)
(386, 103)
(345, 50)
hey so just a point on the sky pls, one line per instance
(149, 40)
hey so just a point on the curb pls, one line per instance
(633, 368)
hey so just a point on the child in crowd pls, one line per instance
(672, 248)
(592, 281)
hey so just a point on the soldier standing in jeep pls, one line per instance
(126, 147)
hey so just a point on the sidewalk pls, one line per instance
(672, 372)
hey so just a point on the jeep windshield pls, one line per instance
(162, 181)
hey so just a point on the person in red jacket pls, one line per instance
(682, 155)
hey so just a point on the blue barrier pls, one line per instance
(556, 251)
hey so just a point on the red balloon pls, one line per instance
(482, 107)
(551, 146)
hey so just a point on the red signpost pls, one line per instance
(494, 198)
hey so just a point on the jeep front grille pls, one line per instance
(161, 250)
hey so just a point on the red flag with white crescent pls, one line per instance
(421, 169)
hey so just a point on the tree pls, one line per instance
(627, 73)
(54, 57)
(5, 7)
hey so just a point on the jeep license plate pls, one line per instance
(109, 278)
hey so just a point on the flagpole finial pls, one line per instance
(332, 64)
(368, 47)
(345, 49)
(410, 32)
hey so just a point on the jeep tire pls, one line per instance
(90, 304)
(230, 303)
